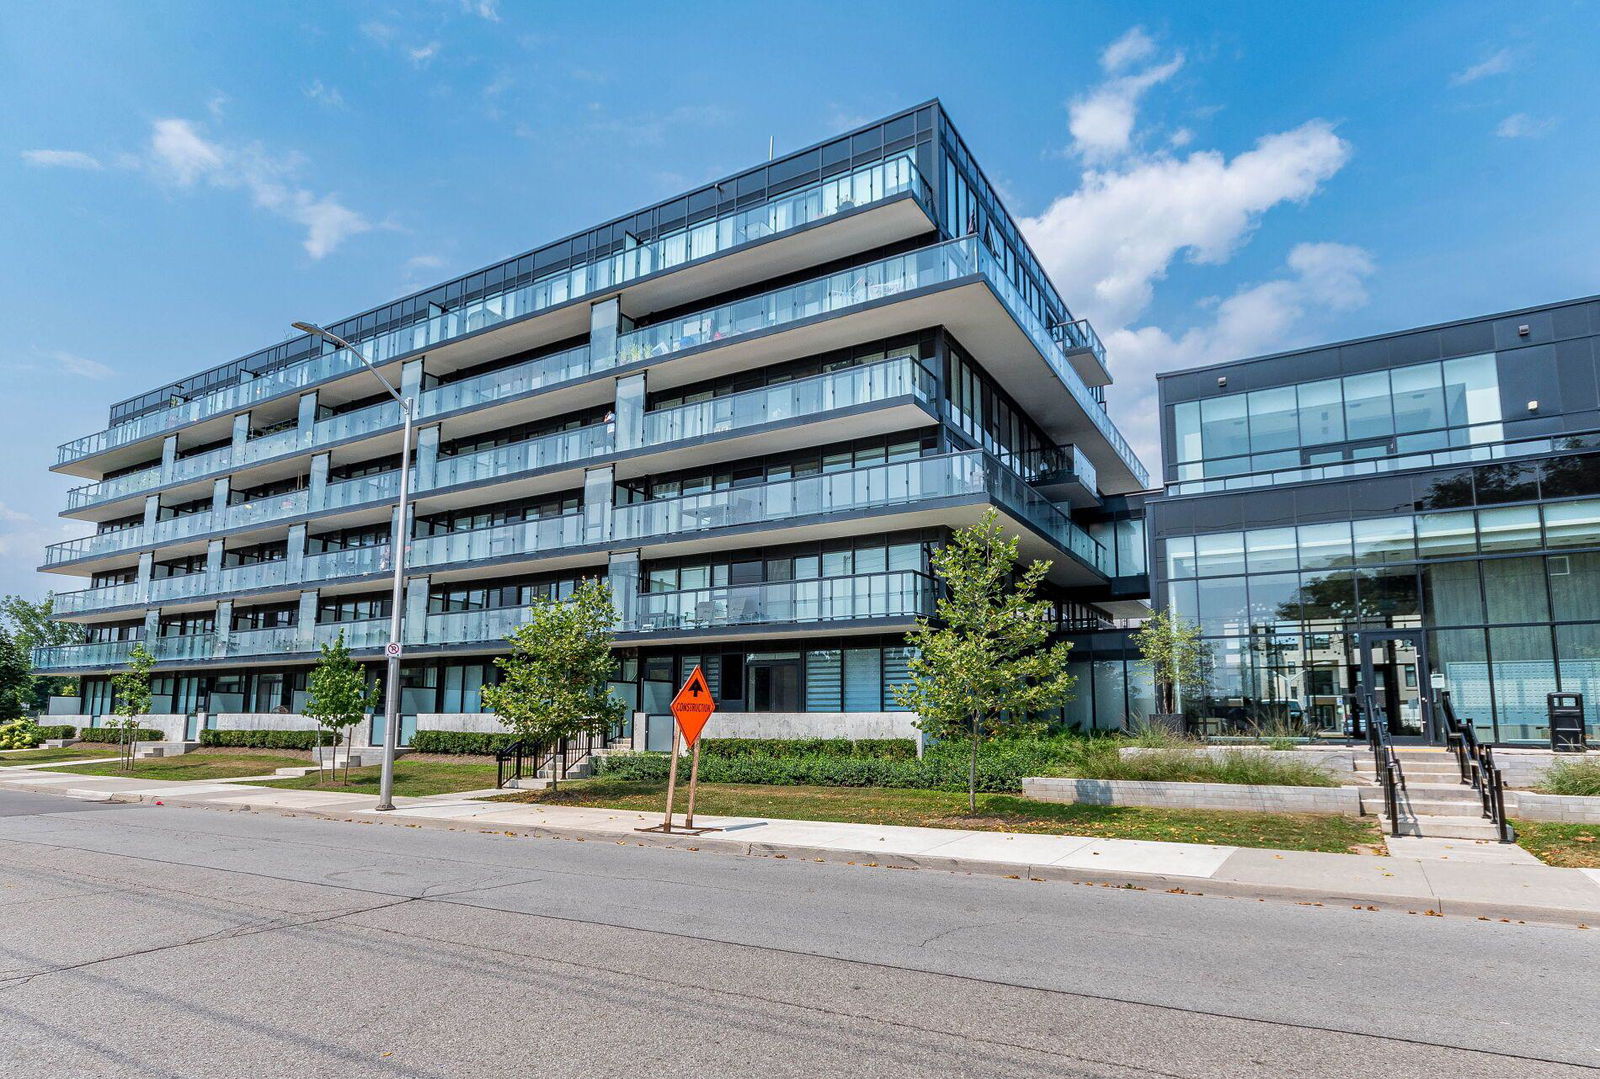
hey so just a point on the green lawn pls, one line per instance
(412, 778)
(996, 812)
(78, 752)
(200, 764)
(1576, 846)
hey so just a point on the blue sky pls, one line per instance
(1204, 181)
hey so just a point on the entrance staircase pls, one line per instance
(1434, 802)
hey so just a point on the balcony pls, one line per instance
(893, 487)
(900, 595)
(852, 191)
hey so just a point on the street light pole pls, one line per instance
(398, 545)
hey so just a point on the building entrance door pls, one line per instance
(1393, 664)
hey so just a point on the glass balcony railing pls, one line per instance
(501, 541)
(183, 586)
(97, 599)
(274, 640)
(369, 633)
(916, 480)
(263, 510)
(862, 385)
(363, 421)
(460, 627)
(510, 381)
(117, 487)
(864, 186)
(352, 562)
(902, 594)
(561, 448)
(100, 543)
(192, 646)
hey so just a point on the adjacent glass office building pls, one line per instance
(755, 409)
(1412, 513)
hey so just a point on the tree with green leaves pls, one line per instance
(16, 679)
(131, 698)
(30, 626)
(985, 665)
(1171, 649)
(554, 683)
(340, 697)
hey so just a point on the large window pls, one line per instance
(1419, 408)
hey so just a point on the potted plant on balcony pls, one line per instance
(1170, 647)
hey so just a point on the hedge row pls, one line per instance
(111, 735)
(59, 731)
(466, 743)
(898, 749)
(265, 739)
(1001, 767)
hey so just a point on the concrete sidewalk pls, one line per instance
(1430, 883)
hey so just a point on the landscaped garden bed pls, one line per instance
(996, 812)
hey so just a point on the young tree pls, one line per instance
(984, 663)
(130, 691)
(16, 679)
(553, 685)
(339, 697)
(1170, 647)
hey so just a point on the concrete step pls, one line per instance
(1445, 827)
(1442, 792)
(1428, 807)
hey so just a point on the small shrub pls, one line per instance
(305, 740)
(744, 748)
(466, 743)
(1581, 778)
(21, 734)
(113, 735)
(1001, 765)
(60, 731)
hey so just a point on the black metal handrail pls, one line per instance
(523, 759)
(1385, 760)
(1478, 769)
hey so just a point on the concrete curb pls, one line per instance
(1427, 905)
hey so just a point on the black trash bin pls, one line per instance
(1566, 722)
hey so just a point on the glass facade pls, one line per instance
(1378, 414)
(1464, 559)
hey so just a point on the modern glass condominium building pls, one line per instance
(1424, 503)
(755, 409)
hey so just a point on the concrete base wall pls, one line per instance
(479, 722)
(853, 725)
(1262, 799)
(1527, 767)
(262, 721)
(1566, 808)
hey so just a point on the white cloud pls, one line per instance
(1519, 125)
(324, 94)
(484, 9)
(1102, 120)
(1114, 237)
(1497, 64)
(1321, 279)
(1130, 48)
(1108, 242)
(81, 366)
(180, 154)
(423, 53)
(61, 159)
(57, 362)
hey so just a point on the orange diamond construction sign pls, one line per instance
(693, 706)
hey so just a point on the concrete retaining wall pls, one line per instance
(851, 725)
(262, 721)
(1262, 799)
(1331, 759)
(480, 722)
(1567, 808)
(171, 726)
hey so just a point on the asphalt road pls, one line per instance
(163, 942)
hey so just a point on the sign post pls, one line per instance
(691, 708)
